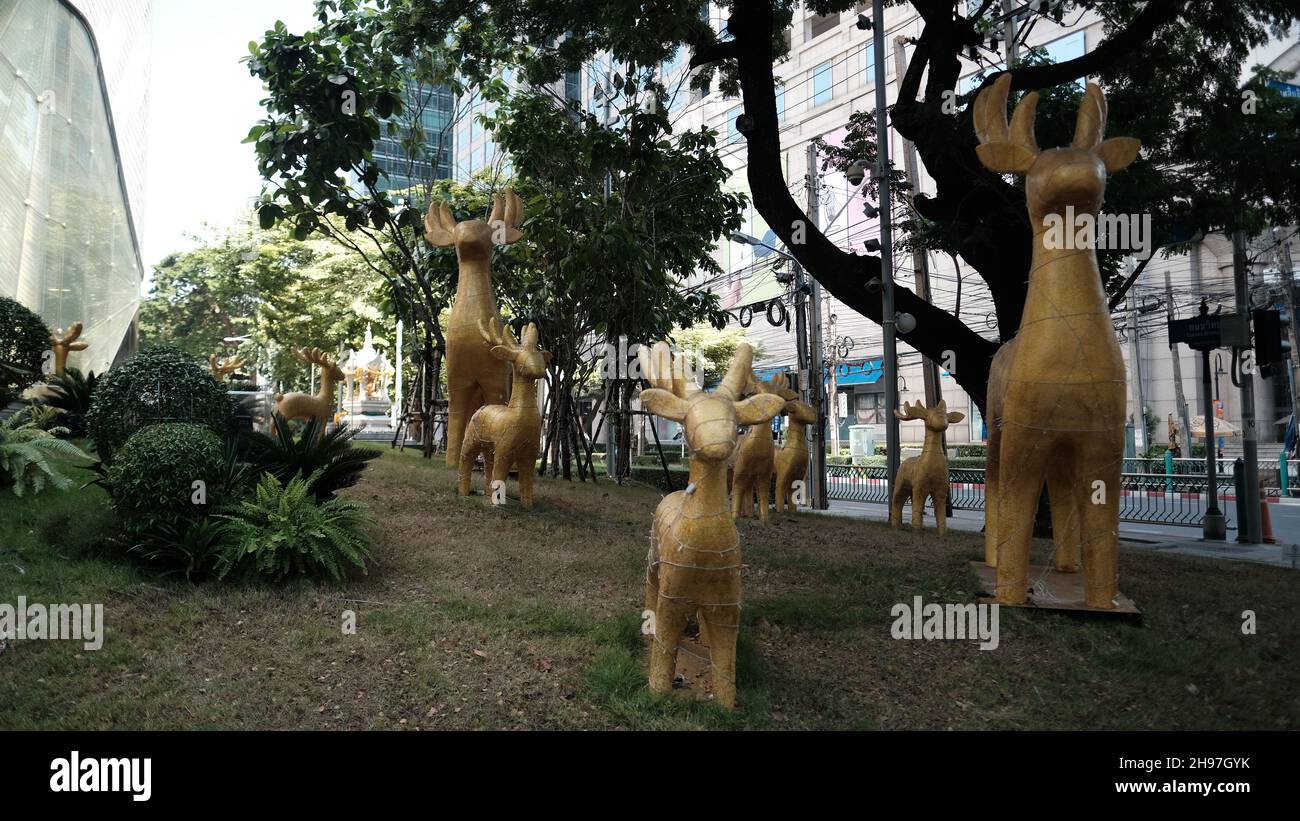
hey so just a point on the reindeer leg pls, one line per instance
(896, 503)
(526, 465)
(670, 620)
(468, 453)
(918, 506)
(721, 624)
(1101, 533)
(764, 485)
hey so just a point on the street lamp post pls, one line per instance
(886, 247)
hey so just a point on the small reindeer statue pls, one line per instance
(925, 476)
(792, 458)
(220, 370)
(65, 344)
(474, 376)
(756, 453)
(508, 435)
(1056, 392)
(694, 561)
(306, 406)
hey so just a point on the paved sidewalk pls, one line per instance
(1185, 540)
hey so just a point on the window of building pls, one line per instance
(733, 135)
(780, 103)
(822, 90)
(819, 24)
(573, 86)
(869, 62)
(977, 432)
(869, 408)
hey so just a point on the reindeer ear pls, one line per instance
(663, 403)
(901, 415)
(546, 355)
(1118, 152)
(78, 346)
(503, 353)
(1005, 158)
(758, 409)
(955, 417)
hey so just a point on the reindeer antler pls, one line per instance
(914, 411)
(1005, 148)
(507, 212)
(68, 339)
(663, 370)
(739, 374)
(439, 225)
(496, 334)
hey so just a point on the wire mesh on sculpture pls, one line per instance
(507, 435)
(792, 458)
(694, 563)
(756, 454)
(925, 476)
(474, 377)
(1056, 393)
(304, 405)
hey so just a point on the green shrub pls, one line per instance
(72, 393)
(186, 548)
(152, 479)
(332, 459)
(24, 339)
(28, 457)
(282, 531)
(159, 384)
(973, 450)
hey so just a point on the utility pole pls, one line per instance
(815, 383)
(1251, 526)
(1288, 299)
(1135, 349)
(1180, 398)
(920, 258)
(886, 247)
(1214, 526)
(1008, 6)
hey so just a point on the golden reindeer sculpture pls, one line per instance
(756, 454)
(304, 405)
(694, 562)
(792, 458)
(508, 435)
(474, 377)
(1056, 393)
(65, 344)
(925, 476)
(220, 370)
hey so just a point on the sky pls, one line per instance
(202, 103)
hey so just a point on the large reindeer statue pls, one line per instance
(792, 458)
(474, 377)
(756, 454)
(63, 345)
(1056, 396)
(925, 476)
(304, 405)
(508, 435)
(694, 562)
(220, 370)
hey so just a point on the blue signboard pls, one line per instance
(1287, 89)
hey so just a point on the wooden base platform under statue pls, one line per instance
(1055, 592)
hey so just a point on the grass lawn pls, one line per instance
(477, 617)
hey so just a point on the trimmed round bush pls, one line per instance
(159, 384)
(152, 479)
(24, 339)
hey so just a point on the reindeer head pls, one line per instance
(936, 419)
(1072, 175)
(474, 238)
(710, 419)
(318, 357)
(529, 362)
(801, 412)
(778, 385)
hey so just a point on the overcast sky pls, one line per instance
(202, 103)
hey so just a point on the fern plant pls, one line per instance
(72, 393)
(282, 531)
(190, 549)
(332, 459)
(29, 456)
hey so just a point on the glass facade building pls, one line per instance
(73, 107)
(435, 108)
